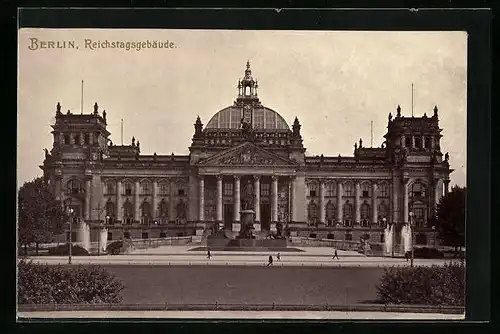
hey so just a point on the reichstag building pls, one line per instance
(248, 148)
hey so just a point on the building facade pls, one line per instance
(244, 149)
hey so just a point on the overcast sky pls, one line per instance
(334, 82)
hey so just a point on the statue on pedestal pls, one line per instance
(248, 196)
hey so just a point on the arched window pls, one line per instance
(348, 189)
(77, 139)
(419, 210)
(418, 142)
(384, 190)
(145, 213)
(365, 214)
(163, 210)
(181, 210)
(330, 213)
(383, 212)
(146, 188)
(110, 188)
(427, 142)
(312, 212)
(347, 214)
(128, 212)
(365, 190)
(417, 190)
(110, 209)
(66, 139)
(74, 187)
(407, 142)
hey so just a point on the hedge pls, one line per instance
(435, 285)
(49, 284)
(64, 250)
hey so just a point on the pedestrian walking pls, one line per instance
(407, 256)
(335, 255)
(209, 255)
(278, 257)
(270, 262)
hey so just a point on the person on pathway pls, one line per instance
(270, 260)
(407, 256)
(209, 255)
(335, 255)
(278, 257)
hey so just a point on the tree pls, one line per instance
(40, 214)
(451, 217)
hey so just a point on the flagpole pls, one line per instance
(371, 133)
(412, 99)
(122, 132)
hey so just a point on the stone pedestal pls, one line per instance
(236, 227)
(199, 231)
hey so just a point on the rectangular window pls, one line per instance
(181, 192)
(110, 188)
(163, 235)
(144, 235)
(312, 193)
(384, 191)
(348, 236)
(224, 119)
(348, 190)
(164, 189)
(110, 236)
(126, 235)
(77, 139)
(270, 119)
(235, 119)
(264, 189)
(86, 139)
(365, 193)
(228, 189)
(146, 188)
(330, 190)
(66, 139)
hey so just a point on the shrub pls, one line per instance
(436, 285)
(47, 284)
(426, 253)
(64, 250)
(114, 247)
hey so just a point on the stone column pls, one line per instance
(405, 200)
(201, 195)
(236, 199)
(321, 201)
(293, 217)
(339, 202)
(61, 138)
(403, 140)
(374, 203)
(81, 139)
(219, 198)
(136, 202)
(412, 141)
(171, 203)
(357, 215)
(422, 144)
(274, 199)
(86, 213)
(256, 186)
(119, 201)
(155, 200)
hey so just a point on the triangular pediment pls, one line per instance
(246, 154)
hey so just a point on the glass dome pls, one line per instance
(263, 118)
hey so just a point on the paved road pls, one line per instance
(244, 315)
(248, 285)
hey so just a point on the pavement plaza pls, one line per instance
(184, 255)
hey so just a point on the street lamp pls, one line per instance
(412, 246)
(70, 214)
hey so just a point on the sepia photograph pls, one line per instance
(241, 174)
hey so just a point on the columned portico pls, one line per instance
(256, 180)
(136, 202)
(292, 199)
(119, 204)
